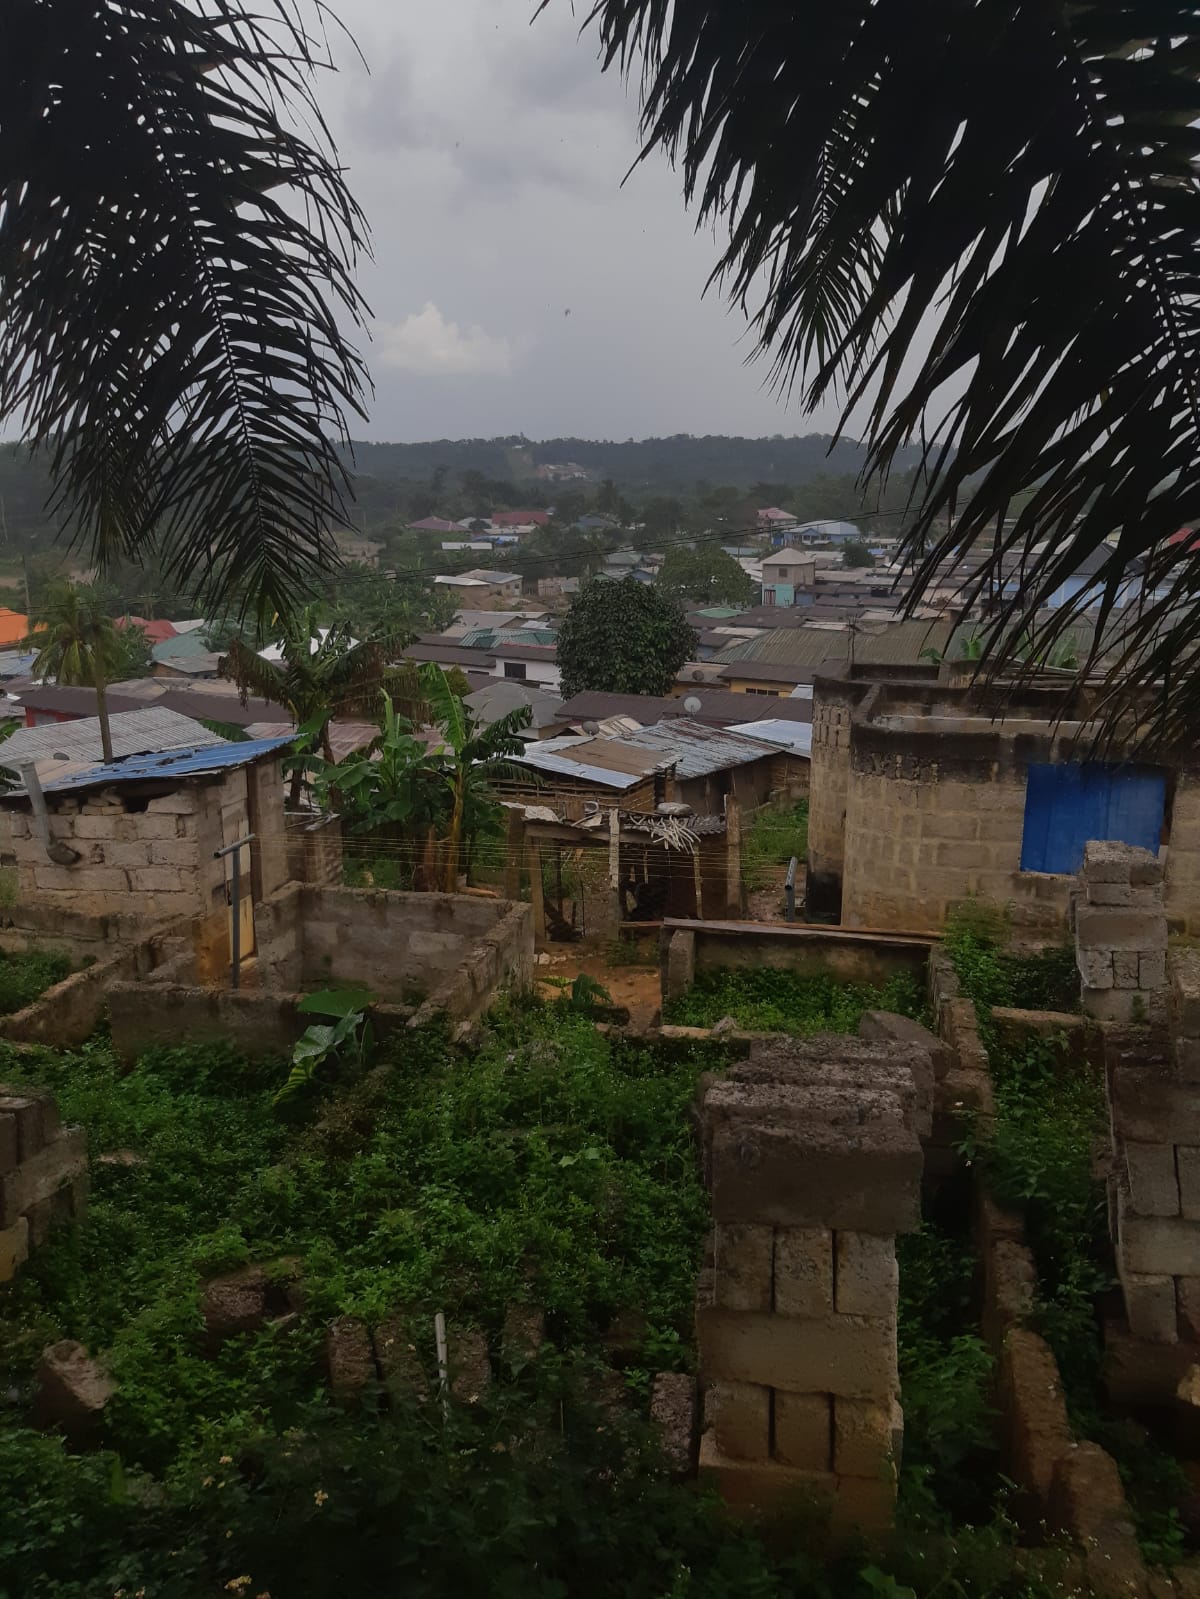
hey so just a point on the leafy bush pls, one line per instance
(25, 975)
(769, 1001)
(771, 840)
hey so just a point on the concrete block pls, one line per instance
(1187, 1306)
(743, 1255)
(1033, 1412)
(1137, 1372)
(739, 1414)
(1125, 968)
(867, 1278)
(24, 1115)
(1106, 860)
(1095, 967)
(1110, 894)
(1188, 1164)
(182, 801)
(14, 1248)
(1088, 1501)
(803, 1283)
(763, 1488)
(1185, 992)
(1152, 970)
(1150, 1107)
(1150, 1307)
(865, 1437)
(885, 1027)
(865, 1178)
(1186, 1057)
(1153, 1184)
(158, 880)
(804, 1431)
(681, 964)
(1157, 1245)
(55, 1166)
(177, 852)
(1104, 927)
(1110, 1004)
(850, 1355)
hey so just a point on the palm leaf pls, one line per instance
(975, 227)
(174, 260)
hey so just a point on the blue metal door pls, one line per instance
(1067, 805)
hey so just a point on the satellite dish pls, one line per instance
(692, 704)
(698, 675)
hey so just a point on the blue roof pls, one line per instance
(167, 766)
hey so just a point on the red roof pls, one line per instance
(1186, 535)
(156, 632)
(435, 524)
(520, 518)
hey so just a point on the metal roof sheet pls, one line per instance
(887, 643)
(150, 730)
(796, 736)
(698, 749)
(168, 766)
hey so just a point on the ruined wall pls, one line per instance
(43, 1174)
(1183, 855)
(829, 773)
(688, 947)
(1120, 932)
(813, 1159)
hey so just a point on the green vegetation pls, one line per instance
(622, 638)
(551, 1166)
(1051, 1115)
(769, 1001)
(770, 841)
(26, 974)
(991, 975)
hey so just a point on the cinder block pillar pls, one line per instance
(1120, 932)
(814, 1163)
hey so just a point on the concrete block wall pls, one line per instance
(813, 1159)
(829, 772)
(1120, 932)
(43, 1174)
(1183, 856)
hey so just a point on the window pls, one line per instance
(1067, 805)
(515, 669)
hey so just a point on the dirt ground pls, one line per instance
(635, 987)
(767, 904)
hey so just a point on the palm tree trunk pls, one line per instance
(455, 834)
(102, 712)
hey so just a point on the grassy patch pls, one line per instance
(25, 975)
(765, 1000)
(770, 841)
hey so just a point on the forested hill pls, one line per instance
(673, 464)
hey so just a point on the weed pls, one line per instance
(770, 841)
(765, 1000)
(25, 975)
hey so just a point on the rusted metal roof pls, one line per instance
(698, 749)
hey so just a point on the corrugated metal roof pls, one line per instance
(612, 763)
(149, 730)
(717, 705)
(169, 766)
(698, 749)
(885, 644)
(795, 736)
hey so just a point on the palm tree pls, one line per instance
(975, 228)
(475, 755)
(77, 642)
(322, 672)
(177, 251)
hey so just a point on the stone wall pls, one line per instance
(829, 774)
(687, 947)
(43, 1174)
(314, 850)
(813, 1160)
(1183, 855)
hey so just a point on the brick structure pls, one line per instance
(43, 1174)
(1120, 932)
(813, 1157)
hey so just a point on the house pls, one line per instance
(525, 521)
(716, 707)
(500, 585)
(500, 697)
(778, 661)
(216, 702)
(784, 573)
(157, 632)
(575, 773)
(827, 532)
(14, 627)
(710, 762)
(184, 655)
(926, 794)
(438, 524)
(137, 838)
(771, 519)
(150, 729)
(527, 663)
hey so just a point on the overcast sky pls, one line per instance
(517, 286)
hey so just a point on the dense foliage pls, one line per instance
(770, 841)
(622, 638)
(767, 1000)
(705, 575)
(26, 974)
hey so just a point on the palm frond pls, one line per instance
(174, 260)
(977, 226)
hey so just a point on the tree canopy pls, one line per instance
(177, 262)
(1007, 274)
(622, 638)
(705, 574)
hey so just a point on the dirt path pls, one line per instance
(767, 904)
(635, 987)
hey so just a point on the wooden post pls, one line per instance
(536, 895)
(614, 869)
(733, 858)
(514, 853)
(699, 882)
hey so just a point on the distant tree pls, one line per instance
(371, 603)
(131, 653)
(323, 673)
(569, 506)
(662, 515)
(856, 553)
(77, 642)
(622, 638)
(705, 574)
